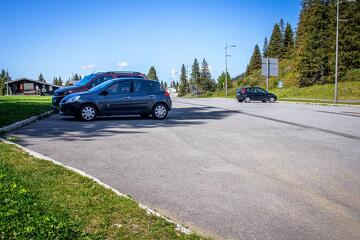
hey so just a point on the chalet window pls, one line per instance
(50, 88)
(28, 86)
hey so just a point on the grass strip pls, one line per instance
(60, 204)
(16, 108)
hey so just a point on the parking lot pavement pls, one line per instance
(236, 171)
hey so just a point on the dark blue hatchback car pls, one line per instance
(125, 96)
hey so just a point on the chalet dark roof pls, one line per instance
(32, 80)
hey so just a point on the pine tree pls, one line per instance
(195, 75)
(68, 82)
(265, 48)
(313, 48)
(247, 71)
(255, 62)
(282, 26)
(55, 81)
(205, 83)
(349, 38)
(275, 49)
(75, 77)
(288, 39)
(4, 77)
(152, 74)
(162, 84)
(60, 81)
(41, 78)
(184, 85)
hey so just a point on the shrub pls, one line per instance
(254, 82)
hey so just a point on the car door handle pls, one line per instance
(151, 96)
(126, 97)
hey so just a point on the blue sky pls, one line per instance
(59, 38)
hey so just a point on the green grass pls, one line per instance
(347, 91)
(349, 85)
(40, 200)
(15, 108)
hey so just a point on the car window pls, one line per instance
(158, 88)
(259, 90)
(138, 86)
(143, 86)
(100, 80)
(251, 90)
(119, 88)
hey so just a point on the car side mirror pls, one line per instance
(104, 93)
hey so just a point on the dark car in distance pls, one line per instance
(248, 94)
(123, 96)
(89, 82)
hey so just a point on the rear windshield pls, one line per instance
(158, 88)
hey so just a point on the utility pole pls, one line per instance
(226, 68)
(337, 46)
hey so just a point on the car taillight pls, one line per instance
(167, 94)
(243, 91)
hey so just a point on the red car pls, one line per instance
(89, 82)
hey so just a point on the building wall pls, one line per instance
(26, 87)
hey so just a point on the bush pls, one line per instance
(22, 217)
(352, 75)
(254, 82)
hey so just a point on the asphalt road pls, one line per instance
(235, 171)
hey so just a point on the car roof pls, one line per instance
(132, 78)
(119, 72)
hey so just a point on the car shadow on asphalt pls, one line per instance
(64, 128)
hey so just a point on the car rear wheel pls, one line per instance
(160, 111)
(271, 99)
(88, 112)
(247, 99)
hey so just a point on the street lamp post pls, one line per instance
(337, 45)
(226, 69)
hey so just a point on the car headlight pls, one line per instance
(73, 99)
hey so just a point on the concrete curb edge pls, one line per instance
(321, 104)
(148, 210)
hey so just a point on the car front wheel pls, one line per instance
(247, 99)
(160, 111)
(271, 99)
(88, 112)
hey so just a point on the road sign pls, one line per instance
(280, 84)
(270, 67)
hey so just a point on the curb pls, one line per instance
(148, 210)
(321, 104)
(24, 122)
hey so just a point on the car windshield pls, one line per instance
(85, 80)
(101, 86)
